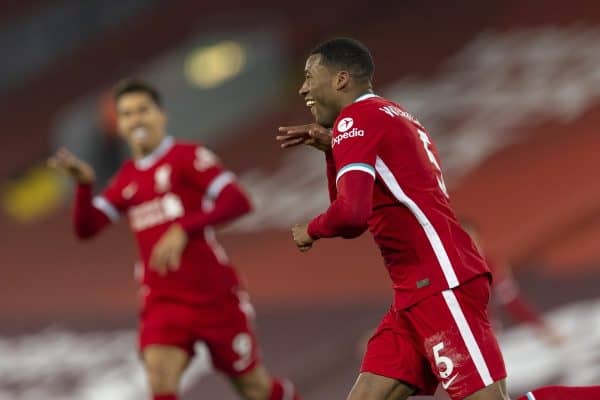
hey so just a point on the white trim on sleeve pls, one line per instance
(106, 207)
(218, 184)
(355, 167)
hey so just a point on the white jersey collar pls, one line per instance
(149, 160)
(365, 96)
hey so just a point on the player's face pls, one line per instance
(319, 91)
(141, 122)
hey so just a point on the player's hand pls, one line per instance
(166, 254)
(65, 161)
(301, 237)
(311, 135)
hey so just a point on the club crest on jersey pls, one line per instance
(162, 178)
(345, 124)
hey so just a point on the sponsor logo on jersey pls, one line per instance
(155, 212)
(162, 178)
(355, 132)
(345, 124)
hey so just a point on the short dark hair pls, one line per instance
(131, 85)
(348, 54)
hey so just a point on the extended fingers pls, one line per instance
(291, 142)
(296, 129)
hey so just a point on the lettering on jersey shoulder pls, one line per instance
(394, 111)
(205, 159)
(162, 178)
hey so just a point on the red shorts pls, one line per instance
(445, 338)
(225, 326)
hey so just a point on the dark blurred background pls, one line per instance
(510, 91)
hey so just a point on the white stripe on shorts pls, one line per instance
(530, 396)
(467, 336)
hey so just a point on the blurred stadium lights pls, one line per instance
(211, 66)
(34, 195)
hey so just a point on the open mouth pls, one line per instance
(139, 133)
(310, 103)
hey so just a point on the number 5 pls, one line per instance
(426, 143)
(448, 365)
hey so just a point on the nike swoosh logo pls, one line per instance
(447, 384)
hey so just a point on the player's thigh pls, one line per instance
(166, 343)
(370, 386)
(401, 392)
(164, 365)
(458, 340)
(233, 344)
(393, 353)
(167, 324)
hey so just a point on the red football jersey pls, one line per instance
(424, 248)
(167, 186)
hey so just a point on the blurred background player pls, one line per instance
(384, 174)
(507, 294)
(173, 193)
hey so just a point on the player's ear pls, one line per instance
(341, 79)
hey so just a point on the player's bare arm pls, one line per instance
(79, 170)
(301, 237)
(313, 135)
(166, 254)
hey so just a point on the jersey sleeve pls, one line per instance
(88, 220)
(331, 173)
(354, 144)
(203, 169)
(111, 201)
(223, 200)
(354, 151)
(92, 213)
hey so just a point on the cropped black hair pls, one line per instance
(130, 85)
(348, 54)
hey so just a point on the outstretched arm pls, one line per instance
(230, 203)
(88, 220)
(89, 215)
